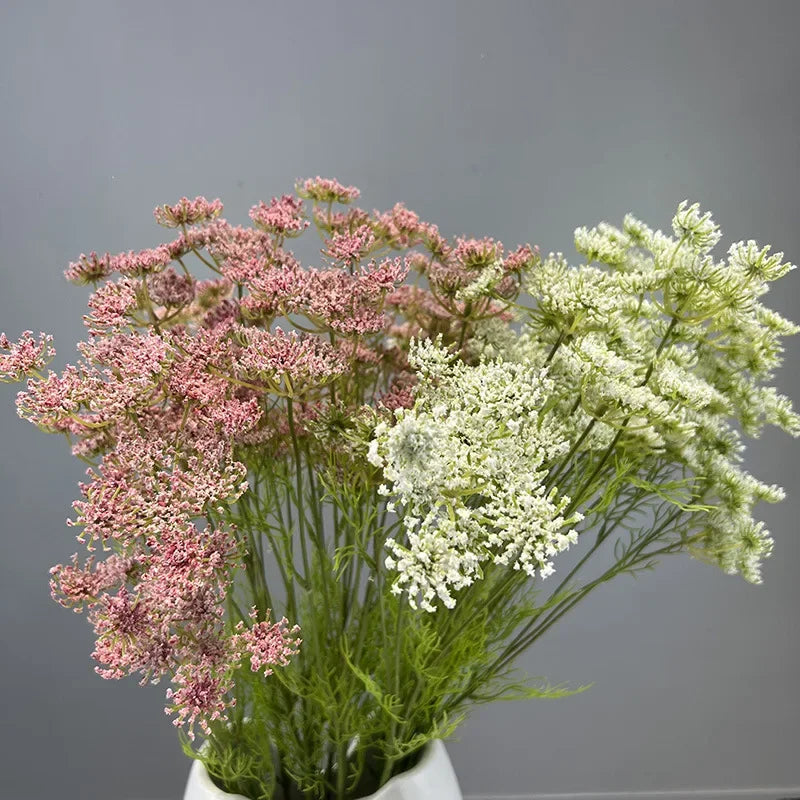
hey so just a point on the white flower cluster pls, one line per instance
(467, 465)
(483, 284)
(668, 349)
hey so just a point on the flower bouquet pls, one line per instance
(326, 503)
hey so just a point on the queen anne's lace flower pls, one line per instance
(466, 465)
(25, 356)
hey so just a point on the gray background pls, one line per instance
(518, 120)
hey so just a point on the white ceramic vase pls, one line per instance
(432, 778)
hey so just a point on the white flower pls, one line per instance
(466, 465)
(701, 232)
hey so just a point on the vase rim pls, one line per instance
(429, 751)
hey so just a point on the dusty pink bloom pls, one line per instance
(327, 190)
(186, 572)
(234, 243)
(112, 304)
(400, 394)
(277, 288)
(267, 644)
(236, 415)
(120, 621)
(148, 485)
(434, 242)
(25, 356)
(283, 216)
(201, 695)
(134, 367)
(199, 238)
(163, 406)
(400, 227)
(187, 212)
(350, 248)
(203, 360)
(474, 254)
(53, 402)
(89, 269)
(524, 257)
(386, 275)
(243, 270)
(348, 304)
(73, 586)
(169, 288)
(277, 355)
(224, 313)
(447, 277)
(144, 262)
(340, 221)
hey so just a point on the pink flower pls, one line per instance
(73, 586)
(121, 623)
(144, 262)
(340, 221)
(187, 212)
(327, 190)
(277, 288)
(401, 227)
(287, 355)
(168, 288)
(54, 401)
(267, 644)
(350, 247)
(284, 216)
(348, 304)
(201, 695)
(89, 269)
(477, 253)
(385, 275)
(164, 406)
(400, 393)
(25, 356)
(112, 304)
(523, 258)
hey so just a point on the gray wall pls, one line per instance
(519, 120)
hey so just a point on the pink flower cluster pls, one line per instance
(349, 248)
(267, 644)
(289, 357)
(25, 356)
(327, 190)
(281, 216)
(179, 376)
(187, 212)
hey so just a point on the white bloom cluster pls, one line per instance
(487, 279)
(467, 465)
(664, 352)
(602, 244)
(700, 231)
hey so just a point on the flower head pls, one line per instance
(700, 231)
(188, 212)
(25, 356)
(282, 216)
(327, 190)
